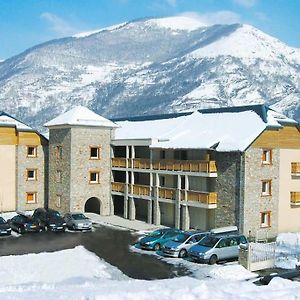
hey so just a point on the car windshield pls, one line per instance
(156, 233)
(180, 238)
(2, 221)
(209, 241)
(54, 214)
(79, 217)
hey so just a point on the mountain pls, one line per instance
(152, 66)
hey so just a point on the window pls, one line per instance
(31, 151)
(58, 152)
(94, 177)
(58, 176)
(267, 157)
(58, 200)
(162, 181)
(265, 219)
(163, 154)
(95, 152)
(31, 197)
(31, 174)
(266, 188)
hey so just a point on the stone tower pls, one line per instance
(80, 162)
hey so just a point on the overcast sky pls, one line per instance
(25, 23)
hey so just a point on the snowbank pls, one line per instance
(79, 274)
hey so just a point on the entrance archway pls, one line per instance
(92, 205)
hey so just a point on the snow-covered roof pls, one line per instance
(80, 116)
(8, 121)
(222, 131)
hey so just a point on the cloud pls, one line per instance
(57, 24)
(217, 17)
(245, 3)
(262, 16)
(172, 3)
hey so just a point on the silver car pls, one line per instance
(78, 221)
(213, 248)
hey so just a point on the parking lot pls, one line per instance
(113, 245)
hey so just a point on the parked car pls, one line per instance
(216, 247)
(23, 223)
(78, 221)
(156, 239)
(180, 244)
(5, 229)
(49, 219)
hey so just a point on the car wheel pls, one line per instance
(73, 227)
(213, 259)
(20, 231)
(182, 253)
(156, 247)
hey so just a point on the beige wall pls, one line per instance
(289, 217)
(7, 177)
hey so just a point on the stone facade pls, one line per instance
(75, 166)
(39, 185)
(229, 186)
(255, 203)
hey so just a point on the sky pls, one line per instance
(26, 23)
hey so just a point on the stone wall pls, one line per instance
(39, 185)
(254, 202)
(82, 138)
(228, 186)
(60, 137)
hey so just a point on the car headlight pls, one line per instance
(52, 225)
(64, 224)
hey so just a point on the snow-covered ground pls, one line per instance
(79, 274)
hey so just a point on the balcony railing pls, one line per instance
(295, 168)
(295, 198)
(119, 162)
(167, 165)
(141, 190)
(118, 187)
(201, 197)
(167, 193)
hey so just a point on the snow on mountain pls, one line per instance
(152, 66)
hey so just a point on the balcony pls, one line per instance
(167, 193)
(141, 190)
(118, 187)
(167, 165)
(295, 198)
(201, 197)
(295, 168)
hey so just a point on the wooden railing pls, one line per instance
(167, 193)
(295, 198)
(186, 165)
(202, 197)
(142, 190)
(118, 162)
(141, 163)
(118, 187)
(295, 168)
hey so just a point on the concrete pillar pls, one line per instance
(156, 207)
(149, 211)
(131, 207)
(177, 203)
(125, 213)
(185, 223)
(127, 157)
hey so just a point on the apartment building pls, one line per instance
(203, 169)
(216, 167)
(23, 166)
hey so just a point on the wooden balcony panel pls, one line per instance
(186, 166)
(167, 193)
(295, 168)
(141, 190)
(295, 198)
(201, 197)
(118, 162)
(141, 163)
(118, 187)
